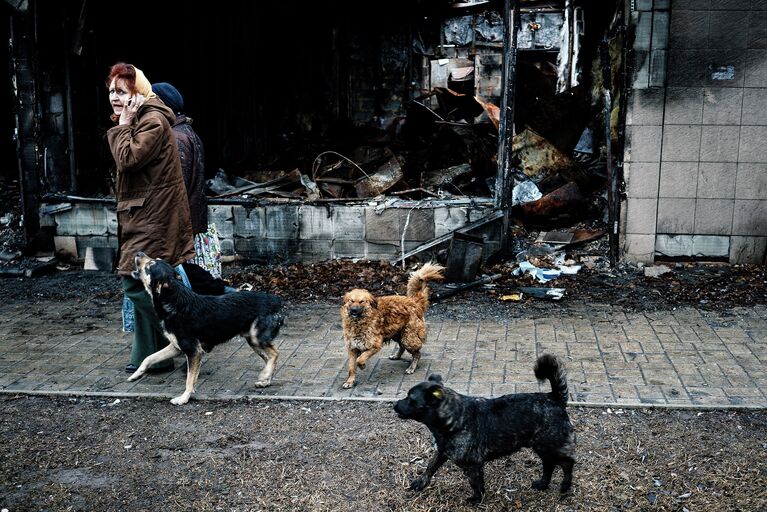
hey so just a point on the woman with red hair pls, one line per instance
(152, 207)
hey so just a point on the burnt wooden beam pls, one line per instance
(23, 77)
(503, 180)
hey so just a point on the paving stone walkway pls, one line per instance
(681, 358)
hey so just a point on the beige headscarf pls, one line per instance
(142, 84)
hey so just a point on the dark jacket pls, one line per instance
(192, 155)
(152, 207)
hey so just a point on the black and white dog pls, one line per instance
(194, 323)
(471, 430)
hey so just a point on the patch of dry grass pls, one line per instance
(83, 454)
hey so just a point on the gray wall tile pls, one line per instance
(643, 5)
(449, 219)
(660, 32)
(756, 68)
(722, 105)
(640, 216)
(641, 69)
(638, 248)
(658, 60)
(730, 4)
(727, 29)
(717, 180)
(419, 223)
(249, 223)
(692, 245)
(759, 4)
(383, 226)
(752, 181)
(755, 106)
(693, 68)
(314, 250)
(750, 217)
(752, 144)
(676, 216)
(681, 143)
(348, 248)
(747, 249)
(349, 223)
(719, 144)
(713, 216)
(757, 29)
(689, 30)
(315, 222)
(646, 107)
(677, 5)
(678, 179)
(684, 105)
(643, 143)
(282, 223)
(642, 179)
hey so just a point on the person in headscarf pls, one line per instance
(192, 153)
(152, 208)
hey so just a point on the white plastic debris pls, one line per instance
(542, 275)
(525, 192)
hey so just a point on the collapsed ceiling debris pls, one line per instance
(444, 142)
(408, 103)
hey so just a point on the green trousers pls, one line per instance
(147, 335)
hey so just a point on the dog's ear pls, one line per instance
(435, 377)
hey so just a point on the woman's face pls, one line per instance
(119, 94)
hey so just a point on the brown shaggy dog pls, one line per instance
(369, 321)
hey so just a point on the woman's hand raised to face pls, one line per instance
(131, 107)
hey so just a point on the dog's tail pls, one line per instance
(549, 367)
(417, 287)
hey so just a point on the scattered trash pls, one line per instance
(514, 297)
(525, 192)
(117, 401)
(544, 293)
(208, 413)
(656, 270)
(542, 275)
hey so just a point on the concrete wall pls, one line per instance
(696, 152)
(291, 232)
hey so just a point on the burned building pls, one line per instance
(342, 129)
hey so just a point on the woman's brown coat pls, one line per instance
(152, 207)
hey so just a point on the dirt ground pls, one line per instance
(98, 454)
(143, 454)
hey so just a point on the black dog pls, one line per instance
(471, 431)
(194, 323)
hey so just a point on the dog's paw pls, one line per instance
(135, 376)
(395, 357)
(419, 484)
(263, 383)
(410, 371)
(348, 384)
(361, 366)
(180, 400)
(539, 485)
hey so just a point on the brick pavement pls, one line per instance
(681, 358)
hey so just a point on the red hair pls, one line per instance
(125, 71)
